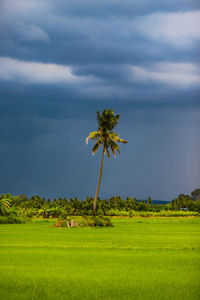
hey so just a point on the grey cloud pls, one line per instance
(43, 125)
(53, 163)
(13, 69)
(61, 102)
(82, 39)
(107, 8)
(30, 33)
(123, 83)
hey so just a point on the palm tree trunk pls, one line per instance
(98, 185)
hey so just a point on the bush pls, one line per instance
(98, 221)
(12, 219)
(178, 213)
(117, 212)
(91, 221)
(147, 214)
(13, 216)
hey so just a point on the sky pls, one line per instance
(60, 61)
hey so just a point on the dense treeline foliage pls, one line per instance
(115, 206)
(10, 214)
(185, 202)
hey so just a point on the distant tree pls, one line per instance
(196, 195)
(131, 203)
(149, 200)
(142, 206)
(22, 197)
(181, 202)
(195, 192)
(107, 138)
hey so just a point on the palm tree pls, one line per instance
(107, 138)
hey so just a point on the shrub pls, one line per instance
(147, 214)
(98, 221)
(12, 219)
(68, 222)
(178, 213)
(117, 212)
(64, 215)
(91, 221)
(13, 216)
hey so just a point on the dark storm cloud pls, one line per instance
(117, 36)
(61, 61)
(107, 8)
(60, 164)
(27, 112)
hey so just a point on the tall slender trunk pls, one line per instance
(98, 185)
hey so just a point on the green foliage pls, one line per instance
(196, 192)
(97, 221)
(85, 221)
(107, 120)
(64, 223)
(186, 202)
(149, 200)
(117, 212)
(105, 136)
(37, 206)
(12, 219)
(4, 205)
(8, 214)
(163, 213)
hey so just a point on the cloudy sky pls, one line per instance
(60, 61)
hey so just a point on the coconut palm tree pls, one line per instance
(107, 138)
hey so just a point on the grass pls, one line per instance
(156, 258)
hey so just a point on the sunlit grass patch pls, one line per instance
(153, 259)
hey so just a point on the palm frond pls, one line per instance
(96, 147)
(98, 115)
(114, 147)
(5, 202)
(94, 135)
(113, 136)
(122, 141)
(106, 143)
(4, 205)
(107, 120)
(108, 153)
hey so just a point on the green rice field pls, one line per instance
(138, 258)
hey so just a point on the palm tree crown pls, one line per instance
(107, 138)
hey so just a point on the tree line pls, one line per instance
(40, 206)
